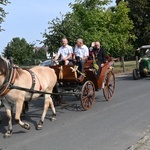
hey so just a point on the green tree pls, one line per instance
(65, 26)
(91, 21)
(119, 36)
(39, 54)
(140, 15)
(2, 12)
(89, 15)
(78, 24)
(20, 50)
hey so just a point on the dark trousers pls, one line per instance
(80, 65)
(98, 72)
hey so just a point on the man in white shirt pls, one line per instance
(65, 52)
(81, 54)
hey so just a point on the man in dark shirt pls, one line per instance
(100, 56)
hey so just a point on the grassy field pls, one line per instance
(129, 66)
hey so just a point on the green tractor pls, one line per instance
(142, 62)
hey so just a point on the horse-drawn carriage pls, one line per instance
(68, 83)
(18, 85)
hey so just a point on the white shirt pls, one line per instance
(65, 51)
(81, 51)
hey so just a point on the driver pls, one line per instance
(100, 56)
(65, 52)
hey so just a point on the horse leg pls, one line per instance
(53, 110)
(48, 102)
(25, 108)
(9, 115)
(7, 106)
(19, 105)
(9, 131)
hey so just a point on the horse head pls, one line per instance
(4, 66)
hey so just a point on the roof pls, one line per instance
(145, 47)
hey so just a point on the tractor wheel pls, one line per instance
(135, 74)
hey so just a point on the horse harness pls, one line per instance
(8, 83)
(10, 79)
(33, 82)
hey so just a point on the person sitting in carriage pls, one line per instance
(80, 56)
(99, 58)
(65, 52)
(91, 49)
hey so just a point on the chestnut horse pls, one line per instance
(38, 78)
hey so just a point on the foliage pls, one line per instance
(91, 21)
(2, 12)
(20, 50)
(140, 15)
(39, 54)
(119, 36)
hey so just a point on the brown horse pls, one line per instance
(38, 78)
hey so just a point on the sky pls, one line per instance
(29, 19)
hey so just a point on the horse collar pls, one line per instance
(9, 80)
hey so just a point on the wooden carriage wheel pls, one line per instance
(87, 95)
(109, 85)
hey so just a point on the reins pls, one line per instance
(8, 83)
(40, 92)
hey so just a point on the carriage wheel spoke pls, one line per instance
(88, 95)
(87, 101)
(108, 92)
(109, 88)
(91, 100)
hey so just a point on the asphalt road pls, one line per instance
(114, 125)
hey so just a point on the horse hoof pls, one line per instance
(27, 126)
(7, 134)
(53, 119)
(39, 127)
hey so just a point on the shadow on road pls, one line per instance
(124, 77)
(36, 108)
(130, 77)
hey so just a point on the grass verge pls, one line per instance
(129, 66)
